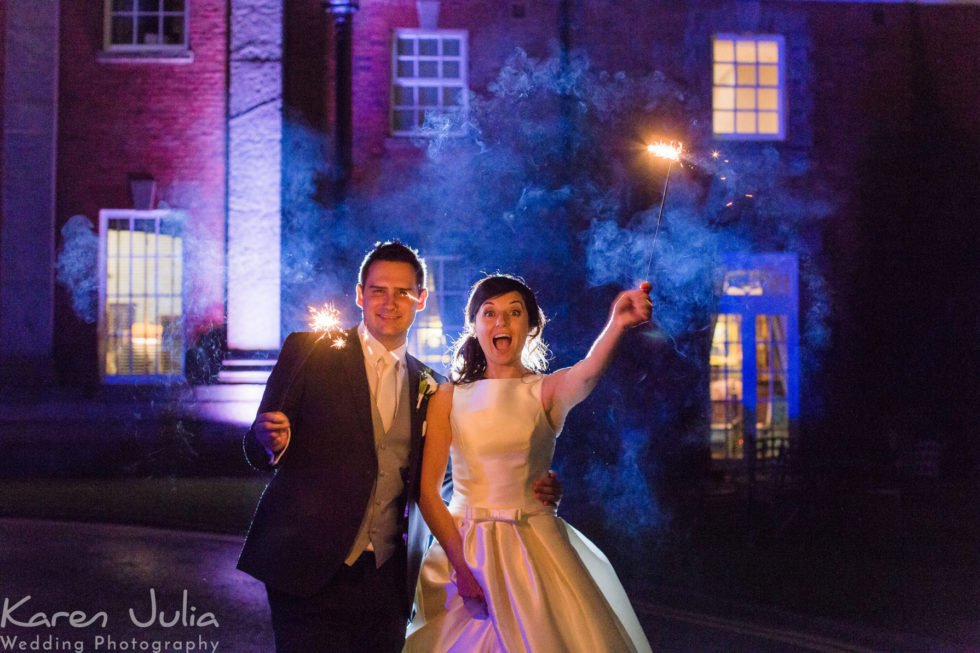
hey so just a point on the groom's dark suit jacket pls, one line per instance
(309, 514)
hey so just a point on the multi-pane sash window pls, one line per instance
(135, 25)
(140, 295)
(428, 79)
(748, 89)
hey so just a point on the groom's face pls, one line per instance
(389, 299)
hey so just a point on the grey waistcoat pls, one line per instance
(379, 525)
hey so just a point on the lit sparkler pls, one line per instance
(325, 321)
(671, 152)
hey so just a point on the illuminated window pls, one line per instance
(438, 326)
(428, 80)
(747, 87)
(140, 295)
(754, 383)
(141, 25)
(727, 439)
(772, 385)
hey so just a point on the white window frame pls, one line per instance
(145, 48)
(440, 83)
(105, 216)
(740, 81)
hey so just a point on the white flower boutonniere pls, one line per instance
(427, 386)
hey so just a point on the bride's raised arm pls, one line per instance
(563, 389)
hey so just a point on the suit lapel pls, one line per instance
(352, 357)
(415, 367)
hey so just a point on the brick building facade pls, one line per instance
(121, 118)
(876, 162)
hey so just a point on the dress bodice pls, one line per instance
(502, 442)
(546, 586)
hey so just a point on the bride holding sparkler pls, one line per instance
(507, 574)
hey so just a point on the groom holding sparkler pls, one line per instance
(337, 537)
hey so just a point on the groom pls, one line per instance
(337, 537)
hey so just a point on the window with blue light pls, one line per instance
(754, 360)
(441, 323)
(748, 89)
(145, 25)
(429, 87)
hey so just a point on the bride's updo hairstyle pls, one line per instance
(468, 361)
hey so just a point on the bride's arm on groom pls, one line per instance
(435, 457)
(565, 388)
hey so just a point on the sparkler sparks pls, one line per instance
(326, 321)
(325, 318)
(670, 151)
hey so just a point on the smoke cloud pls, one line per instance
(548, 177)
(77, 265)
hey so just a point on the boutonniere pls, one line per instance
(427, 386)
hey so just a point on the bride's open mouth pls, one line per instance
(501, 343)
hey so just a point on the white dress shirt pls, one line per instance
(373, 350)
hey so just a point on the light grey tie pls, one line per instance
(387, 390)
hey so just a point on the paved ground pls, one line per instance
(94, 568)
(103, 579)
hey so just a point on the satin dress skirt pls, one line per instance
(548, 589)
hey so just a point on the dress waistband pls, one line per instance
(513, 515)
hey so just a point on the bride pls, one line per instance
(507, 574)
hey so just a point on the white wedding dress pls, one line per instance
(548, 588)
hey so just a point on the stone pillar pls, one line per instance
(27, 170)
(254, 175)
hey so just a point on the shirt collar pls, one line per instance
(373, 349)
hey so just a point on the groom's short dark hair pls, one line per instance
(397, 252)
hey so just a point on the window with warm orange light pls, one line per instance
(727, 437)
(140, 295)
(747, 99)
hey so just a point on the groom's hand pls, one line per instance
(548, 489)
(272, 431)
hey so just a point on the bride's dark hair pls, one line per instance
(468, 361)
